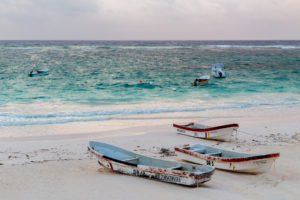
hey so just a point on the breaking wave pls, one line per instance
(14, 119)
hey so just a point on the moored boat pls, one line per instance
(126, 162)
(201, 81)
(222, 132)
(227, 160)
(218, 71)
(38, 72)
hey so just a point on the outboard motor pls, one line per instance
(220, 74)
(195, 82)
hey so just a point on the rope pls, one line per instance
(244, 132)
(250, 134)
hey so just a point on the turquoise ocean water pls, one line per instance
(97, 80)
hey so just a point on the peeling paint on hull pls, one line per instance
(153, 173)
(169, 175)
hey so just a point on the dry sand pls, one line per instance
(53, 163)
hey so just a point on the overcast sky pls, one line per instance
(149, 19)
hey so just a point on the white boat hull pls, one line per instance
(166, 175)
(219, 74)
(217, 70)
(251, 166)
(220, 134)
(126, 162)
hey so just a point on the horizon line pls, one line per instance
(149, 40)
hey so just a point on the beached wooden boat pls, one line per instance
(227, 160)
(127, 162)
(222, 133)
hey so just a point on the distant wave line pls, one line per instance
(147, 47)
(257, 46)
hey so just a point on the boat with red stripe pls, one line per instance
(227, 160)
(222, 132)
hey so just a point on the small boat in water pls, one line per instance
(201, 81)
(227, 160)
(222, 132)
(217, 70)
(126, 162)
(38, 72)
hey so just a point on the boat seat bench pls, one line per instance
(178, 167)
(206, 152)
(215, 153)
(131, 159)
(198, 150)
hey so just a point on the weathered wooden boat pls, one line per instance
(38, 72)
(127, 162)
(227, 160)
(222, 132)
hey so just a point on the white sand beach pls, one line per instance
(52, 162)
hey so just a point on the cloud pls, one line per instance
(42, 19)
(150, 19)
(55, 6)
(204, 19)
